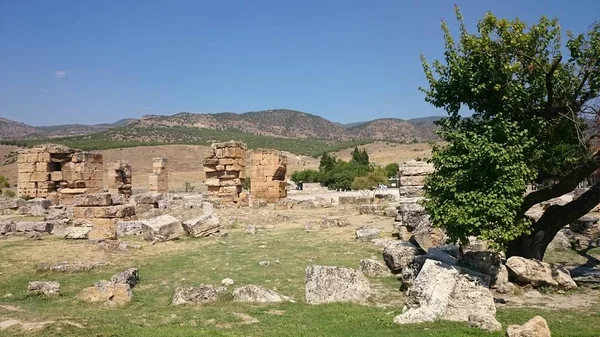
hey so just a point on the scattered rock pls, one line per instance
(227, 282)
(535, 327)
(488, 263)
(374, 268)
(43, 287)
(440, 291)
(264, 263)
(67, 267)
(162, 228)
(30, 226)
(438, 254)
(130, 276)
(538, 273)
(257, 294)
(326, 284)
(203, 226)
(334, 221)
(77, 233)
(129, 228)
(398, 255)
(7, 226)
(366, 234)
(197, 295)
(107, 293)
(250, 229)
(428, 237)
(560, 242)
(484, 322)
(38, 206)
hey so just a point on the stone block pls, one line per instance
(162, 228)
(102, 228)
(412, 180)
(94, 199)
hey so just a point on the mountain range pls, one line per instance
(275, 123)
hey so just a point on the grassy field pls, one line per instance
(189, 262)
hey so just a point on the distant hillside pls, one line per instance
(429, 119)
(393, 129)
(11, 129)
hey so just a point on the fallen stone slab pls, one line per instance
(162, 228)
(329, 284)
(68, 267)
(130, 276)
(366, 233)
(258, 294)
(398, 255)
(93, 199)
(107, 293)
(203, 226)
(197, 295)
(37, 226)
(77, 233)
(488, 263)
(148, 198)
(38, 206)
(48, 288)
(373, 268)
(129, 228)
(428, 237)
(535, 327)
(12, 204)
(538, 273)
(440, 291)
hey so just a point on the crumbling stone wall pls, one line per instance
(412, 178)
(158, 181)
(102, 213)
(118, 176)
(225, 165)
(57, 172)
(267, 177)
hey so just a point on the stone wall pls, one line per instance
(268, 175)
(57, 172)
(225, 165)
(100, 212)
(158, 180)
(412, 178)
(118, 176)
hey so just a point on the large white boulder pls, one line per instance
(327, 284)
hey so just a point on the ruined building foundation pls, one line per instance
(225, 165)
(118, 176)
(58, 173)
(158, 180)
(267, 178)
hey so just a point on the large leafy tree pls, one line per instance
(529, 93)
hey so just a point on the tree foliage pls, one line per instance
(392, 170)
(4, 187)
(527, 102)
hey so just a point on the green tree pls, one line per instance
(327, 162)
(392, 169)
(4, 187)
(527, 102)
(360, 157)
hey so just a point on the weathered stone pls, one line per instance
(560, 242)
(107, 293)
(428, 237)
(148, 198)
(227, 282)
(411, 191)
(203, 226)
(334, 221)
(390, 212)
(38, 206)
(347, 200)
(488, 263)
(484, 322)
(366, 234)
(440, 291)
(162, 228)
(538, 273)
(29, 226)
(535, 327)
(415, 168)
(130, 276)
(67, 267)
(129, 228)
(585, 275)
(44, 287)
(251, 229)
(326, 284)
(95, 199)
(197, 295)
(12, 204)
(371, 209)
(398, 255)
(257, 294)
(374, 268)
(77, 233)
(58, 213)
(7, 226)
(411, 270)
(437, 254)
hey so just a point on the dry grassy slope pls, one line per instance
(10, 129)
(185, 161)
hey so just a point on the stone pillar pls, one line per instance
(412, 178)
(225, 165)
(119, 178)
(267, 178)
(158, 181)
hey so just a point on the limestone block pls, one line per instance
(95, 199)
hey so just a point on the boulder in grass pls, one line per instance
(329, 284)
(162, 228)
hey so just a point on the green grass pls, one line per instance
(135, 136)
(190, 262)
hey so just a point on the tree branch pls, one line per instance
(565, 185)
(549, 84)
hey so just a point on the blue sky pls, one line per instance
(100, 61)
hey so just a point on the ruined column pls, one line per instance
(224, 165)
(267, 178)
(158, 180)
(119, 178)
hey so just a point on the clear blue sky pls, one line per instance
(90, 61)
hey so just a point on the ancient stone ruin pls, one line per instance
(58, 173)
(100, 212)
(158, 180)
(225, 165)
(412, 178)
(119, 178)
(268, 175)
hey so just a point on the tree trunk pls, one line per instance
(543, 231)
